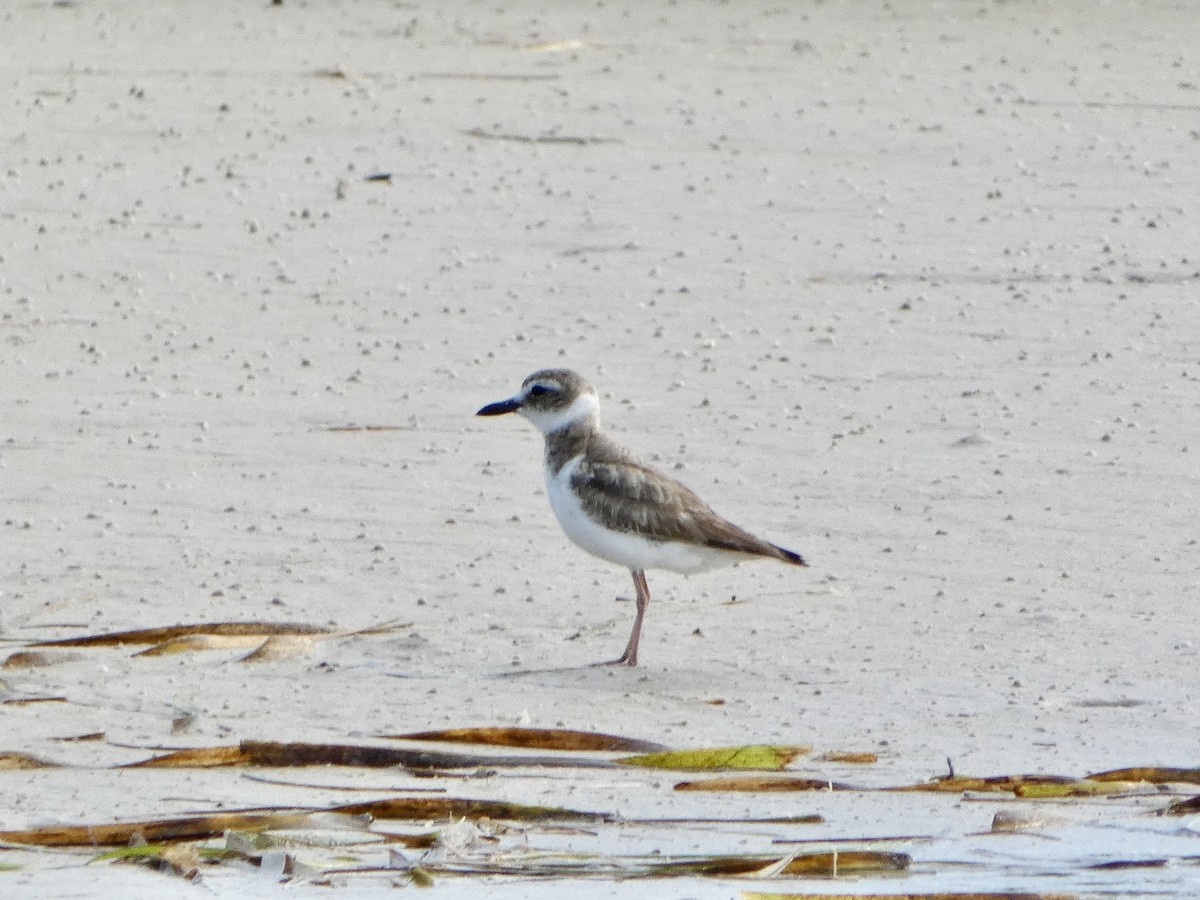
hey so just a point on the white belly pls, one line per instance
(633, 551)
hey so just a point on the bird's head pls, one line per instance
(551, 399)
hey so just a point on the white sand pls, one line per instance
(909, 288)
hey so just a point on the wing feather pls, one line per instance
(629, 496)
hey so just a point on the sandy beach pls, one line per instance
(910, 288)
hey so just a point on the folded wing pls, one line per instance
(630, 496)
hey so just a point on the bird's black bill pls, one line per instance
(500, 408)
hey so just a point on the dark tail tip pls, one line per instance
(788, 556)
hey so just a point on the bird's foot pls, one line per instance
(624, 660)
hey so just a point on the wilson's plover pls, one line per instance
(616, 507)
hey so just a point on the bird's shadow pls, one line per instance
(556, 670)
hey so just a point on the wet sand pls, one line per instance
(909, 289)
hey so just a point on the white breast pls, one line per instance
(623, 548)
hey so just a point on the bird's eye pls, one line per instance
(539, 390)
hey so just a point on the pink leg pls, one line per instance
(629, 657)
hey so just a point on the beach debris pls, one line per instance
(12, 699)
(183, 860)
(85, 738)
(35, 659)
(278, 647)
(290, 638)
(762, 757)
(761, 784)
(578, 140)
(11, 761)
(1012, 821)
(282, 754)
(534, 739)
(154, 831)
(169, 633)
(351, 817)
(1082, 787)
(1151, 774)
(812, 865)
(1182, 807)
(957, 784)
(856, 758)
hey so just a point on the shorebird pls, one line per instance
(617, 507)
